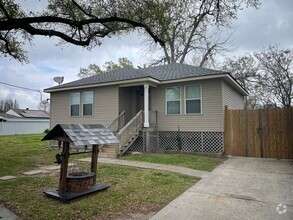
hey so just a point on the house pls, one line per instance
(28, 113)
(24, 121)
(182, 106)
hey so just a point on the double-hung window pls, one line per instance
(74, 104)
(173, 100)
(193, 99)
(87, 99)
(87, 103)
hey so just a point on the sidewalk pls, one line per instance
(239, 188)
(154, 166)
(6, 214)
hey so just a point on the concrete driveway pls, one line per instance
(240, 188)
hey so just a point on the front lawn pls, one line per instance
(132, 190)
(20, 153)
(190, 161)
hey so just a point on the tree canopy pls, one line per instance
(7, 104)
(266, 75)
(178, 26)
(194, 27)
(78, 22)
(94, 69)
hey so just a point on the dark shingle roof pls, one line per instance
(178, 71)
(161, 73)
(125, 73)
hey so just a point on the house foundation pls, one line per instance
(152, 140)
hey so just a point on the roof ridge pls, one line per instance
(167, 72)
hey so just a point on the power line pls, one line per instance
(20, 87)
(23, 88)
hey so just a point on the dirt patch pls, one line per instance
(139, 212)
(137, 216)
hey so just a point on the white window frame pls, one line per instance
(82, 103)
(185, 99)
(74, 104)
(166, 101)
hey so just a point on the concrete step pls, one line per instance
(107, 155)
(108, 150)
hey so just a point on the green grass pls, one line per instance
(189, 161)
(132, 190)
(20, 153)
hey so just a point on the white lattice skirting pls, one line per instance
(203, 142)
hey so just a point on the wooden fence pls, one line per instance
(264, 133)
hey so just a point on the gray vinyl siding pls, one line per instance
(105, 107)
(127, 102)
(232, 98)
(211, 118)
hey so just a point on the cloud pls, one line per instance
(5, 93)
(254, 30)
(47, 61)
(270, 25)
(27, 99)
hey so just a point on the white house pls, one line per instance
(24, 121)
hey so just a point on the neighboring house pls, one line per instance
(28, 113)
(183, 105)
(24, 121)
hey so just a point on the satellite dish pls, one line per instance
(58, 79)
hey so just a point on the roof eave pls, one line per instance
(221, 75)
(144, 79)
(224, 75)
(237, 85)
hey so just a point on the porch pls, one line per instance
(134, 115)
(134, 98)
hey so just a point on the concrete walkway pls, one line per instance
(240, 188)
(6, 214)
(154, 166)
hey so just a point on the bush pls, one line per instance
(47, 131)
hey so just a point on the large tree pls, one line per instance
(179, 26)
(94, 69)
(245, 70)
(266, 75)
(194, 27)
(7, 104)
(277, 66)
(78, 22)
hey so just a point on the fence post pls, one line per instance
(246, 131)
(226, 148)
(260, 124)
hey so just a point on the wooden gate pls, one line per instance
(264, 133)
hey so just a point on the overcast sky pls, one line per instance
(272, 24)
